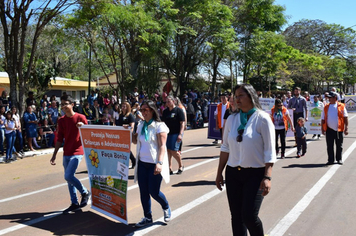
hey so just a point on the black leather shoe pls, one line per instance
(340, 162)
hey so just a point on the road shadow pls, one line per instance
(305, 166)
(82, 172)
(199, 158)
(78, 223)
(194, 183)
(200, 145)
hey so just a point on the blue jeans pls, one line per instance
(10, 142)
(50, 139)
(19, 137)
(150, 185)
(70, 164)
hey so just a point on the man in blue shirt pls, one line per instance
(53, 114)
(299, 105)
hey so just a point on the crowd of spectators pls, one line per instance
(37, 126)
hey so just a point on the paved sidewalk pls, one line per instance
(38, 152)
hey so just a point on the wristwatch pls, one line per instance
(160, 162)
(267, 177)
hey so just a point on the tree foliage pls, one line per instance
(16, 18)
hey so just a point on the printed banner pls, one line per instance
(350, 103)
(314, 118)
(107, 154)
(213, 132)
(290, 133)
(267, 104)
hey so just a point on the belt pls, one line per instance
(239, 168)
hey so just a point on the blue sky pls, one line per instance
(340, 12)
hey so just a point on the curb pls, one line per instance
(34, 153)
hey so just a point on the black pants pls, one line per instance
(282, 134)
(332, 137)
(301, 145)
(245, 199)
(133, 159)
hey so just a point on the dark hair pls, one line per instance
(153, 107)
(67, 98)
(251, 92)
(9, 112)
(43, 120)
(277, 102)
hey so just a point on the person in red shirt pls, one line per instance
(73, 152)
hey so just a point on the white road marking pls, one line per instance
(281, 228)
(38, 191)
(86, 178)
(49, 216)
(177, 212)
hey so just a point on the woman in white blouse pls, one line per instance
(10, 134)
(152, 167)
(248, 154)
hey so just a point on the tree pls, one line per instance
(121, 34)
(316, 36)
(253, 16)
(16, 17)
(199, 21)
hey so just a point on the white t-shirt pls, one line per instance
(116, 115)
(145, 154)
(332, 119)
(278, 120)
(17, 118)
(10, 124)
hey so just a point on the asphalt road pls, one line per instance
(307, 197)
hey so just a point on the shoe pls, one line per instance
(171, 172)
(8, 161)
(303, 154)
(180, 170)
(298, 155)
(167, 214)
(340, 162)
(85, 198)
(329, 163)
(19, 155)
(282, 156)
(215, 142)
(144, 221)
(71, 208)
(314, 135)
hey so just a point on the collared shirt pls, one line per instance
(299, 103)
(152, 145)
(258, 141)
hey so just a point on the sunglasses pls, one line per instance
(239, 136)
(144, 109)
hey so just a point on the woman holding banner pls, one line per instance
(152, 167)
